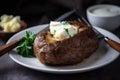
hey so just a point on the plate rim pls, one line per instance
(61, 71)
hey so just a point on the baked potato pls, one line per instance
(68, 51)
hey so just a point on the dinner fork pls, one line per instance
(115, 45)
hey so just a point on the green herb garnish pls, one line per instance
(25, 48)
(64, 22)
(54, 31)
(67, 31)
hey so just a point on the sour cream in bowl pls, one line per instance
(105, 16)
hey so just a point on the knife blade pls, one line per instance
(7, 47)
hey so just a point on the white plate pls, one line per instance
(103, 56)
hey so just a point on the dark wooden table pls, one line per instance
(9, 70)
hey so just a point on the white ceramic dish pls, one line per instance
(108, 22)
(103, 56)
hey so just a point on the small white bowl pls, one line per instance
(107, 20)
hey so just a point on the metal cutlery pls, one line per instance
(115, 45)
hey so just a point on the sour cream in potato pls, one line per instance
(62, 30)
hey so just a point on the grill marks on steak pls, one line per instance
(69, 51)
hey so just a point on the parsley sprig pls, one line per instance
(25, 48)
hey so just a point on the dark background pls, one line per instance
(36, 12)
(39, 11)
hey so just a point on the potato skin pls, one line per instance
(69, 51)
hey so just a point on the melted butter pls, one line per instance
(50, 39)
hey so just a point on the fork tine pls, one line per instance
(85, 21)
(79, 20)
(82, 19)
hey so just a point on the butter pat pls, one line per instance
(10, 23)
(62, 30)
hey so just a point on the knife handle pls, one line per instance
(4, 49)
(112, 43)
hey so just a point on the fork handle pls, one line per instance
(7, 47)
(112, 43)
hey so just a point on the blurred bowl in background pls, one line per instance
(104, 15)
(6, 35)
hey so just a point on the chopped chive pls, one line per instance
(64, 22)
(67, 32)
(54, 31)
